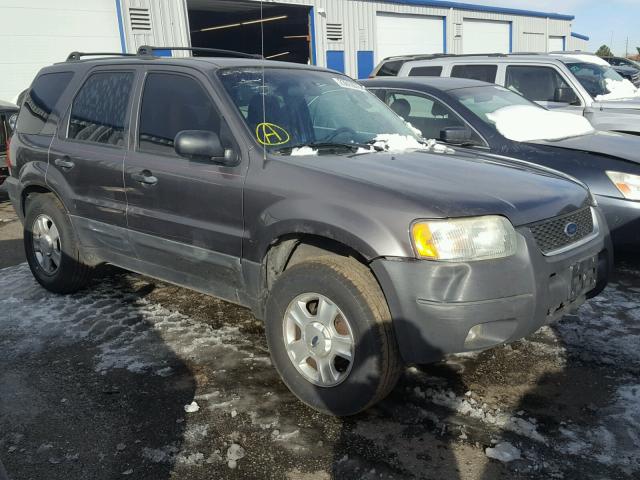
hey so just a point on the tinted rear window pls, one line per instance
(100, 108)
(40, 100)
(390, 69)
(484, 73)
(425, 72)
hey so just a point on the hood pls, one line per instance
(461, 184)
(623, 104)
(612, 144)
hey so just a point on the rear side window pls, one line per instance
(425, 72)
(390, 69)
(39, 102)
(172, 103)
(538, 84)
(484, 73)
(100, 108)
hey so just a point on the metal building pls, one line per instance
(347, 35)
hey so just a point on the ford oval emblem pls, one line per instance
(570, 229)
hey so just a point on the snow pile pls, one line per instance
(619, 90)
(504, 452)
(235, 453)
(525, 123)
(304, 151)
(192, 407)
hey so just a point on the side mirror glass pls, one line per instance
(565, 95)
(456, 135)
(13, 120)
(202, 145)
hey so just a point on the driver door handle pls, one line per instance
(145, 177)
(64, 163)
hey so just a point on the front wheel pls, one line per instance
(330, 335)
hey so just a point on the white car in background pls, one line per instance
(575, 82)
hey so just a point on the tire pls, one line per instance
(375, 366)
(70, 273)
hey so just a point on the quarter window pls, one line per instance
(425, 72)
(484, 73)
(40, 100)
(538, 84)
(100, 108)
(172, 103)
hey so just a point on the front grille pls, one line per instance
(551, 235)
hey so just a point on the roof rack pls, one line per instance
(147, 51)
(75, 56)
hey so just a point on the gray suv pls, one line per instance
(293, 191)
(574, 82)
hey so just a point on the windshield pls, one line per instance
(483, 101)
(597, 80)
(287, 109)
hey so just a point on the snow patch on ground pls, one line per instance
(619, 90)
(525, 123)
(504, 452)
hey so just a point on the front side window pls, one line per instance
(100, 108)
(288, 108)
(596, 79)
(427, 114)
(538, 84)
(483, 73)
(40, 100)
(173, 103)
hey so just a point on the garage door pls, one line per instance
(408, 34)
(35, 33)
(485, 36)
(556, 44)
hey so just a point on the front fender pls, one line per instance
(365, 234)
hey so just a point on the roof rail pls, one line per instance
(75, 56)
(147, 51)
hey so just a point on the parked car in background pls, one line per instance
(7, 111)
(575, 82)
(463, 112)
(293, 191)
(629, 65)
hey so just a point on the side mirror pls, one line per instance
(455, 135)
(565, 95)
(13, 120)
(201, 145)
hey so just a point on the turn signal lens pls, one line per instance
(627, 184)
(464, 239)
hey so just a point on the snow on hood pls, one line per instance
(619, 90)
(395, 143)
(524, 123)
(304, 151)
(585, 58)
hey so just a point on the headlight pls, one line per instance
(627, 184)
(477, 238)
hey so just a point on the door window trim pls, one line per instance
(63, 134)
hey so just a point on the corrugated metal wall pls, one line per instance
(574, 43)
(358, 17)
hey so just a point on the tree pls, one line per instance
(604, 51)
(638, 48)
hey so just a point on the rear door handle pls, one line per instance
(145, 177)
(64, 164)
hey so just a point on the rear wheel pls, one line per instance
(51, 246)
(330, 335)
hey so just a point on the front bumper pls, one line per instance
(623, 217)
(436, 305)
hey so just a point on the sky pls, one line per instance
(598, 19)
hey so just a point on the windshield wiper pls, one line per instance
(325, 146)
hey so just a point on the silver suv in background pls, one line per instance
(575, 82)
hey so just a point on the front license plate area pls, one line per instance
(584, 276)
